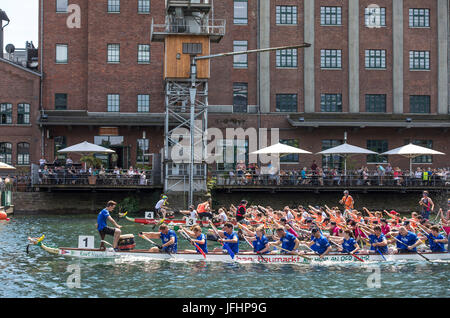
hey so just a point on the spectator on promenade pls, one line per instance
(304, 176)
(381, 174)
(314, 167)
(42, 163)
(69, 162)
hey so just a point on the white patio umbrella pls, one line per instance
(280, 149)
(4, 166)
(412, 151)
(346, 150)
(86, 148)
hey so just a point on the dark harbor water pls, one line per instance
(39, 274)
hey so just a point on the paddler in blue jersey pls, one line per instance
(259, 241)
(197, 237)
(435, 239)
(408, 240)
(319, 243)
(168, 238)
(349, 244)
(289, 243)
(102, 227)
(229, 238)
(378, 242)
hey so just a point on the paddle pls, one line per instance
(427, 259)
(224, 245)
(283, 249)
(376, 248)
(359, 259)
(187, 237)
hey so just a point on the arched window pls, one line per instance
(23, 153)
(23, 114)
(5, 152)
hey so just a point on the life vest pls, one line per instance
(348, 202)
(201, 208)
(425, 176)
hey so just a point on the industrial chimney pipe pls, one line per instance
(3, 17)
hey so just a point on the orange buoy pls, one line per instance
(3, 216)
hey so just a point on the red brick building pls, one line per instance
(379, 73)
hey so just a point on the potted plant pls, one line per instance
(91, 162)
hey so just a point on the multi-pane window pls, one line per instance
(240, 61)
(291, 157)
(330, 103)
(286, 58)
(379, 146)
(240, 12)
(376, 59)
(23, 114)
(23, 153)
(286, 14)
(113, 102)
(419, 60)
(143, 103)
(286, 103)
(60, 101)
(142, 150)
(419, 104)
(61, 5)
(375, 17)
(331, 15)
(240, 97)
(419, 18)
(62, 56)
(113, 53)
(5, 114)
(113, 6)
(331, 161)
(375, 103)
(144, 6)
(426, 144)
(331, 58)
(143, 53)
(60, 143)
(6, 152)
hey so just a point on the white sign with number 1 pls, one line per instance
(85, 241)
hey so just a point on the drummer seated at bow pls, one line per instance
(104, 229)
(197, 237)
(289, 243)
(407, 241)
(319, 243)
(168, 238)
(229, 238)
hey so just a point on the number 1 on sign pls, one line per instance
(85, 241)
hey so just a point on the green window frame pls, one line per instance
(113, 53)
(375, 17)
(60, 142)
(5, 114)
(419, 60)
(23, 114)
(375, 103)
(286, 103)
(331, 103)
(113, 101)
(286, 58)
(419, 18)
(419, 104)
(60, 101)
(291, 158)
(144, 6)
(113, 6)
(240, 97)
(427, 144)
(286, 15)
(23, 153)
(143, 103)
(330, 15)
(379, 146)
(6, 152)
(332, 161)
(375, 59)
(240, 61)
(331, 59)
(144, 53)
(240, 12)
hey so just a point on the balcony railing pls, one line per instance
(215, 28)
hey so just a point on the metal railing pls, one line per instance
(224, 178)
(213, 27)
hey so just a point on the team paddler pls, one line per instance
(197, 237)
(349, 244)
(378, 242)
(104, 229)
(435, 239)
(258, 240)
(228, 237)
(427, 205)
(168, 238)
(204, 210)
(289, 243)
(407, 241)
(319, 243)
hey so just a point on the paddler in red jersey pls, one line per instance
(241, 211)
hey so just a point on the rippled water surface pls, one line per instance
(39, 274)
